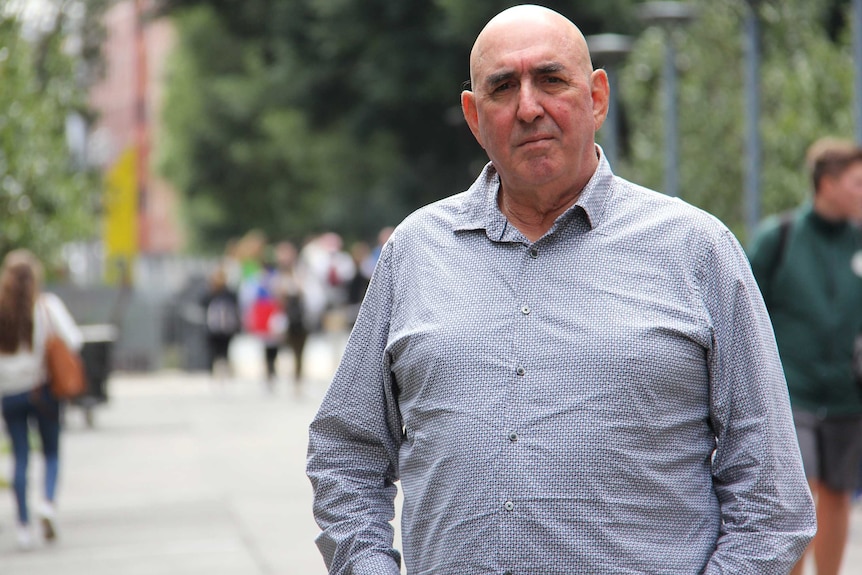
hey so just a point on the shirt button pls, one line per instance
(525, 310)
(520, 371)
(534, 253)
(513, 437)
(509, 505)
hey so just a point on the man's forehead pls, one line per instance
(527, 48)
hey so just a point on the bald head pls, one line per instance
(535, 104)
(570, 37)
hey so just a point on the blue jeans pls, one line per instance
(19, 410)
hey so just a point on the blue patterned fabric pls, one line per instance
(608, 399)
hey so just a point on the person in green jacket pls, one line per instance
(808, 264)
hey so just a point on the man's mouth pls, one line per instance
(534, 139)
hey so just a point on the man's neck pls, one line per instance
(827, 211)
(534, 213)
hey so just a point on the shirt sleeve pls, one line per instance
(766, 507)
(353, 446)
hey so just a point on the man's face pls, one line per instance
(844, 192)
(536, 103)
(850, 182)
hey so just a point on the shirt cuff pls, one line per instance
(376, 565)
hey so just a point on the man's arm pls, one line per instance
(766, 507)
(353, 446)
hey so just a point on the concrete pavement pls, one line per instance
(179, 476)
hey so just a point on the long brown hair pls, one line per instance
(19, 287)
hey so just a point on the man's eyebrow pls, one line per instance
(550, 68)
(500, 77)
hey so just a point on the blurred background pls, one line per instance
(140, 139)
(145, 144)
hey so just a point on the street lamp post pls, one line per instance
(857, 63)
(607, 51)
(669, 15)
(752, 107)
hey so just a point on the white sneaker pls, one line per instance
(24, 537)
(48, 517)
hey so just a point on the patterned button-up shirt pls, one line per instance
(607, 399)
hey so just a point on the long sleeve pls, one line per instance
(353, 446)
(766, 508)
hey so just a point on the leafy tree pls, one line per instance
(343, 114)
(298, 115)
(45, 200)
(806, 78)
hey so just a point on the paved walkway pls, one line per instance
(180, 477)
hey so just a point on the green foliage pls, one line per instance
(44, 201)
(806, 85)
(294, 116)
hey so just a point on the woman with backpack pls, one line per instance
(222, 321)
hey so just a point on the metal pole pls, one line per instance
(752, 124)
(142, 136)
(612, 123)
(608, 50)
(857, 62)
(670, 15)
(670, 136)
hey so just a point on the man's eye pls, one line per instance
(503, 87)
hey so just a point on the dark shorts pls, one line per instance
(831, 448)
(218, 346)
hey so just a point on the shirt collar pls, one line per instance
(480, 210)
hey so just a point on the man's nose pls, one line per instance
(529, 106)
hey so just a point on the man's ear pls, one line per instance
(601, 94)
(471, 114)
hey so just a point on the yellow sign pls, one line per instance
(121, 215)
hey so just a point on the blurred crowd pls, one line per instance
(281, 293)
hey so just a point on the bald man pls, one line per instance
(568, 373)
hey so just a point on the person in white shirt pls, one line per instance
(27, 316)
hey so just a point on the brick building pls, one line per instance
(127, 128)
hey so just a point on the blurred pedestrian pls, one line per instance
(266, 319)
(358, 284)
(566, 372)
(222, 321)
(809, 267)
(371, 261)
(328, 269)
(290, 286)
(27, 316)
(337, 266)
(248, 255)
(260, 309)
